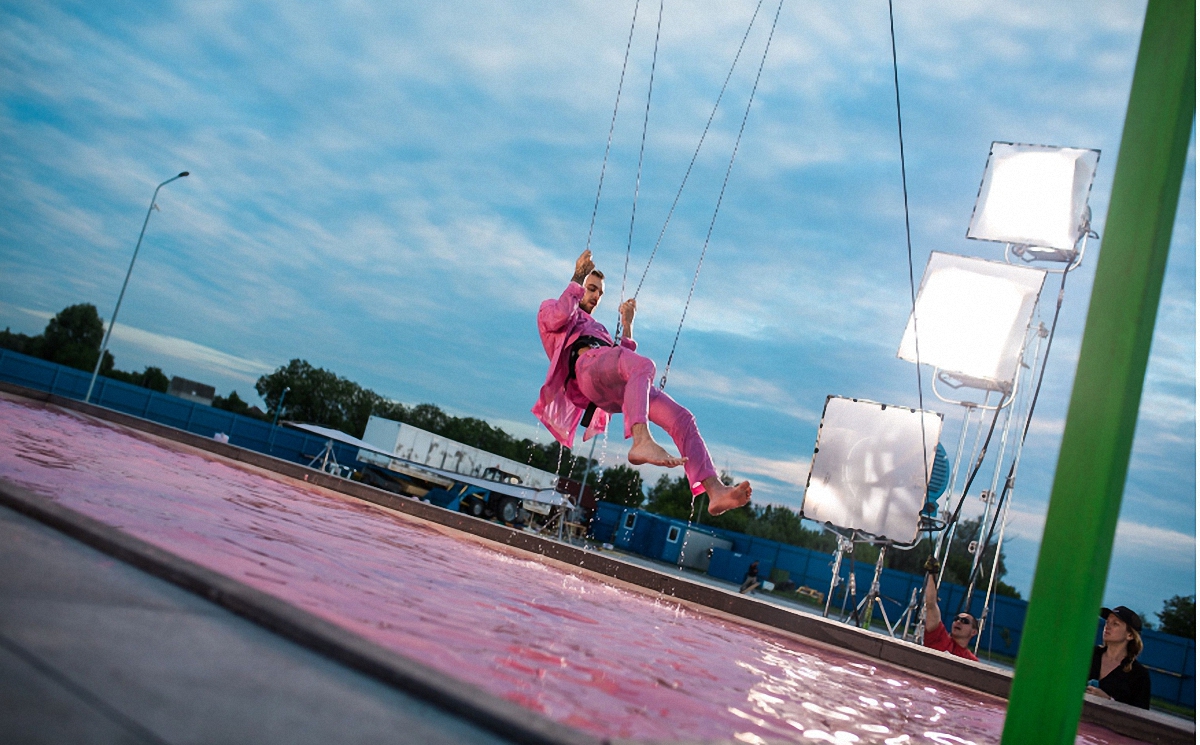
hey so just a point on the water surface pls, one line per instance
(583, 652)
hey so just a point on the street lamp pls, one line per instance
(279, 406)
(113, 322)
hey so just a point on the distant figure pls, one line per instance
(962, 629)
(1115, 673)
(750, 583)
(590, 377)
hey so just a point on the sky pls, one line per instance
(390, 190)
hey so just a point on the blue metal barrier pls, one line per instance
(1171, 659)
(197, 418)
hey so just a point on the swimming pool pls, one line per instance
(569, 645)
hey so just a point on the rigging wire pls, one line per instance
(612, 125)
(695, 154)
(720, 197)
(637, 184)
(912, 283)
(1008, 481)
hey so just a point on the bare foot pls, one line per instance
(722, 498)
(646, 450)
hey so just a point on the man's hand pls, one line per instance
(932, 565)
(583, 267)
(628, 310)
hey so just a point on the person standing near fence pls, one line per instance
(1115, 673)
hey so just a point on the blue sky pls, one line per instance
(389, 191)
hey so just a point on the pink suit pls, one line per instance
(616, 379)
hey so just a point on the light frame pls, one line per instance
(883, 494)
(1035, 196)
(971, 318)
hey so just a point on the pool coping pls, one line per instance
(492, 711)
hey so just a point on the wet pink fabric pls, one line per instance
(578, 648)
(560, 323)
(620, 380)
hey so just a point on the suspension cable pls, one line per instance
(912, 282)
(720, 197)
(695, 154)
(612, 125)
(1008, 481)
(637, 184)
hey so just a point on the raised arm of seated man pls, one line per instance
(962, 630)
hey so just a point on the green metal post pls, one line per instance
(1051, 670)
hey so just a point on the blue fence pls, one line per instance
(1171, 659)
(201, 419)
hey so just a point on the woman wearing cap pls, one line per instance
(1116, 674)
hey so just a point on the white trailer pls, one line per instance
(424, 455)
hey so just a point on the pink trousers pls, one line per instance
(622, 381)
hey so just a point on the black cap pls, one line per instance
(1131, 619)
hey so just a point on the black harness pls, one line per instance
(582, 343)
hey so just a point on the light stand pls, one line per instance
(113, 322)
(844, 546)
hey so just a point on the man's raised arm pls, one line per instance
(555, 314)
(933, 615)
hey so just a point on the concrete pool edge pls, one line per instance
(491, 712)
(1148, 726)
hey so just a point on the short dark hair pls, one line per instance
(597, 272)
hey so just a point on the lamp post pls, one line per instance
(113, 322)
(279, 406)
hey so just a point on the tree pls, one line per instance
(319, 396)
(23, 343)
(621, 485)
(235, 404)
(958, 561)
(1178, 616)
(73, 338)
(152, 377)
(672, 498)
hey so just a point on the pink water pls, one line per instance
(607, 660)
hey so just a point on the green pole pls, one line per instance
(1051, 670)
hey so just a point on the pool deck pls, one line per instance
(94, 670)
(93, 650)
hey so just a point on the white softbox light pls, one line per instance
(870, 468)
(1034, 195)
(971, 318)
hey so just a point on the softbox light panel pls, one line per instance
(1034, 195)
(869, 469)
(971, 317)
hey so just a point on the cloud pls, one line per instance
(389, 190)
(175, 348)
(197, 354)
(1133, 537)
(743, 391)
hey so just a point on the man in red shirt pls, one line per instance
(962, 629)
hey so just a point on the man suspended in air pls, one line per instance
(590, 377)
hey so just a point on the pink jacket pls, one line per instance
(560, 323)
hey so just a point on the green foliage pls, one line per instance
(673, 498)
(1178, 616)
(621, 485)
(152, 377)
(235, 404)
(318, 396)
(958, 562)
(73, 338)
(23, 343)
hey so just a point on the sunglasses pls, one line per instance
(964, 618)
